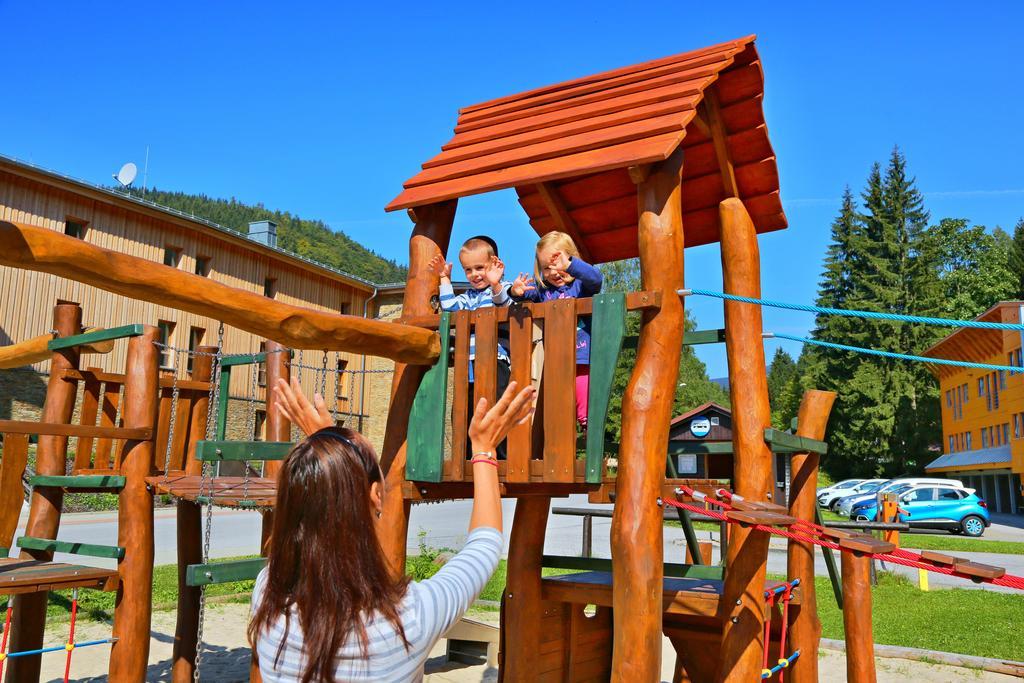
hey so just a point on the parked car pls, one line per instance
(845, 506)
(863, 492)
(958, 510)
(844, 484)
(827, 497)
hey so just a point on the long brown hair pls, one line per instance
(324, 556)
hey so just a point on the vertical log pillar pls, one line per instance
(636, 536)
(190, 531)
(860, 646)
(742, 604)
(521, 611)
(429, 238)
(29, 615)
(804, 624)
(130, 653)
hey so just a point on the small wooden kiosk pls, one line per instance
(642, 162)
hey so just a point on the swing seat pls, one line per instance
(230, 492)
(32, 576)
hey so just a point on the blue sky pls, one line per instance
(325, 110)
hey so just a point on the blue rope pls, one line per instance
(783, 664)
(944, 322)
(60, 648)
(891, 354)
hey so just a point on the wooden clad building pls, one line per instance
(133, 226)
(983, 410)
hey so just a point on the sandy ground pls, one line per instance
(226, 658)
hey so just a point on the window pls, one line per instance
(965, 392)
(1020, 358)
(949, 400)
(202, 265)
(195, 340)
(991, 436)
(952, 448)
(1016, 425)
(981, 387)
(260, 426)
(1002, 380)
(1006, 432)
(261, 367)
(968, 435)
(166, 328)
(171, 256)
(74, 228)
(948, 494)
(270, 287)
(984, 438)
(714, 422)
(345, 308)
(988, 393)
(341, 387)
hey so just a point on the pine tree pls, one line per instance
(1017, 259)
(781, 373)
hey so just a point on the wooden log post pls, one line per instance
(42, 250)
(636, 536)
(429, 238)
(29, 615)
(36, 349)
(742, 603)
(190, 531)
(521, 608)
(129, 655)
(860, 646)
(804, 624)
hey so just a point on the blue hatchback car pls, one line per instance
(933, 507)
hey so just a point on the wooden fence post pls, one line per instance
(521, 611)
(804, 624)
(29, 615)
(860, 646)
(190, 530)
(129, 655)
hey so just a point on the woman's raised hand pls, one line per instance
(309, 417)
(439, 267)
(490, 426)
(521, 285)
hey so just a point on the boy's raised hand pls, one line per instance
(439, 267)
(495, 271)
(521, 285)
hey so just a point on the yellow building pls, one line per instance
(133, 226)
(983, 409)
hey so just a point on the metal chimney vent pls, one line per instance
(264, 232)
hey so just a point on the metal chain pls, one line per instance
(323, 377)
(334, 397)
(250, 420)
(212, 413)
(298, 376)
(174, 413)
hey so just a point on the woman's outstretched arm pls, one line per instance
(488, 428)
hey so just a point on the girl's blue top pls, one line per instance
(586, 282)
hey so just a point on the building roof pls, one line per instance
(138, 204)
(994, 455)
(973, 344)
(566, 148)
(710, 405)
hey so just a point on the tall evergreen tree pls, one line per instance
(781, 373)
(1016, 261)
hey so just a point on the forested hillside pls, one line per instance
(310, 238)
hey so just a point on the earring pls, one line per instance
(378, 514)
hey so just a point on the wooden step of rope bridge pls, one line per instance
(32, 576)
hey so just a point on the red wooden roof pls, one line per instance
(579, 137)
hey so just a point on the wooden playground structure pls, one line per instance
(637, 162)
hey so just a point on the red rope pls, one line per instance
(785, 624)
(7, 630)
(901, 557)
(71, 635)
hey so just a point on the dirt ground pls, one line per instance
(226, 657)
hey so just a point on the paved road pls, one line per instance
(444, 526)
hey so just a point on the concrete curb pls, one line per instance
(999, 666)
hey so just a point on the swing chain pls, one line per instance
(174, 413)
(212, 413)
(250, 419)
(323, 377)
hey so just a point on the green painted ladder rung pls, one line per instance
(784, 442)
(224, 572)
(425, 449)
(693, 338)
(95, 336)
(115, 552)
(242, 450)
(608, 326)
(602, 564)
(248, 358)
(81, 481)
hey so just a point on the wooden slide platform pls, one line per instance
(683, 597)
(234, 492)
(32, 576)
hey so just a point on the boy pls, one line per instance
(484, 271)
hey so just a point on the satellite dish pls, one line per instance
(127, 174)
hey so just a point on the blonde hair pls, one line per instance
(556, 239)
(485, 243)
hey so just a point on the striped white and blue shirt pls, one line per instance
(428, 610)
(471, 300)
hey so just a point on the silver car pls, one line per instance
(845, 505)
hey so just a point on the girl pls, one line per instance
(561, 274)
(326, 608)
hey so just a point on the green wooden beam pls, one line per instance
(700, 447)
(91, 549)
(601, 564)
(4, 552)
(223, 400)
(608, 326)
(784, 442)
(427, 418)
(242, 450)
(84, 481)
(224, 572)
(95, 336)
(234, 359)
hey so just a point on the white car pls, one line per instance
(846, 504)
(844, 484)
(829, 496)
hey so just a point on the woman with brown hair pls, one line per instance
(326, 608)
